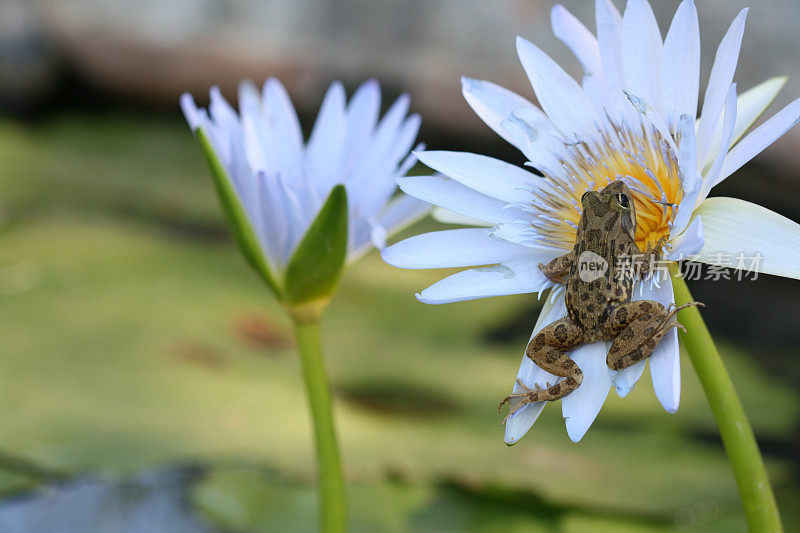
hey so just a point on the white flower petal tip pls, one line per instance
(467, 84)
(719, 81)
(518, 276)
(494, 104)
(521, 422)
(282, 183)
(665, 371)
(190, 112)
(625, 380)
(665, 361)
(581, 407)
(523, 419)
(378, 236)
(560, 96)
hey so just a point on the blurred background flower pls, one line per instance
(122, 298)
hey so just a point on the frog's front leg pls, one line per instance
(636, 328)
(645, 263)
(558, 269)
(548, 350)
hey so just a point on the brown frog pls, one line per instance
(598, 273)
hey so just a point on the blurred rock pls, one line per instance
(151, 502)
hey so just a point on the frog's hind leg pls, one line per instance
(548, 350)
(636, 328)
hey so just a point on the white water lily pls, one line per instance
(633, 117)
(283, 182)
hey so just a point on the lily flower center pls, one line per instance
(640, 157)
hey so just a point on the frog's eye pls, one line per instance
(623, 200)
(584, 196)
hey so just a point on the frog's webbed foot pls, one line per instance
(518, 400)
(671, 311)
(537, 394)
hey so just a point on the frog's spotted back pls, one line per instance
(605, 237)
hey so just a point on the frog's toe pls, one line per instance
(536, 387)
(515, 403)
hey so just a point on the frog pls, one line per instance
(599, 274)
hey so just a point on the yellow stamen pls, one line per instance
(641, 158)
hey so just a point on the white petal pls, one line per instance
(190, 111)
(653, 116)
(494, 104)
(484, 174)
(221, 111)
(280, 222)
(690, 242)
(255, 142)
(609, 39)
(734, 227)
(401, 212)
(582, 406)
(398, 214)
(581, 41)
(362, 115)
(585, 47)
(541, 146)
(284, 125)
(326, 144)
(624, 380)
(404, 140)
(519, 276)
(690, 177)
(452, 248)
(378, 183)
(641, 52)
(249, 99)
(711, 179)
(453, 196)
(665, 361)
(749, 107)
(377, 150)
(530, 374)
(761, 137)
(565, 103)
(753, 102)
(516, 232)
(680, 65)
(718, 83)
(445, 216)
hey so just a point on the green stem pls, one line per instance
(737, 435)
(331, 483)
